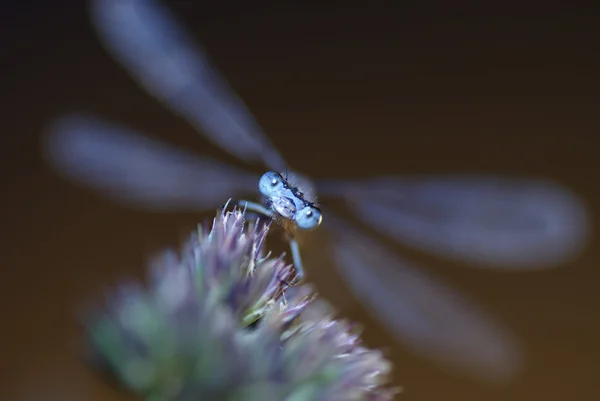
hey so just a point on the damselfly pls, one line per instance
(284, 201)
(485, 220)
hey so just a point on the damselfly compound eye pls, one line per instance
(270, 184)
(308, 218)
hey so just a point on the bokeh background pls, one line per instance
(344, 90)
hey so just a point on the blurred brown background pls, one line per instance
(344, 90)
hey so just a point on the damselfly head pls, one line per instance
(289, 201)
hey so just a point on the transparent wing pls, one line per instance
(428, 317)
(151, 44)
(131, 168)
(487, 220)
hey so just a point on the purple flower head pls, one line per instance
(217, 321)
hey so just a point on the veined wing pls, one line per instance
(152, 45)
(487, 220)
(131, 168)
(429, 317)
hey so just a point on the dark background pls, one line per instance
(343, 90)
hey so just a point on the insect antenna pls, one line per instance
(286, 172)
